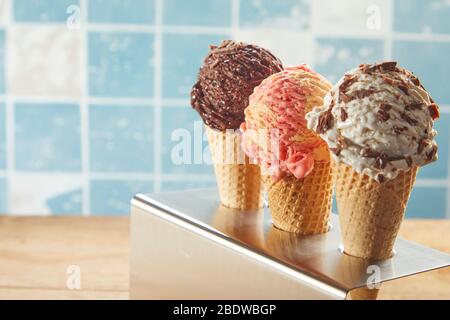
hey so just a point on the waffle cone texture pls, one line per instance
(370, 212)
(238, 180)
(302, 205)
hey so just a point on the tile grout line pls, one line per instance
(9, 110)
(84, 112)
(157, 115)
(235, 5)
(388, 37)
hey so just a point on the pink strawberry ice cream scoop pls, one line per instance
(275, 132)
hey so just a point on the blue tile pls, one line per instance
(439, 168)
(183, 55)
(178, 127)
(47, 137)
(69, 203)
(2, 137)
(429, 61)
(334, 57)
(293, 14)
(422, 16)
(2, 62)
(122, 11)
(110, 197)
(42, 10)
(334, 205)
(121, 138)
(3, 196)
(186, 185)
(197, 12)
(427, 202)
(121, 64)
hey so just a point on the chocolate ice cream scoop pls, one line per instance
(226, 79)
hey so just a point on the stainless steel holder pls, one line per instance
(185, 245)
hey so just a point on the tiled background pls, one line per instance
(86, 114)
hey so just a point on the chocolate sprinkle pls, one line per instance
(408, 160)
(434, 111)
(414, 106)
(336, 151)
(343, 97)
(383, 115)
(369, 153)
(399, 130)
(325, 122)
(408, 119)
(388, 65)
(404, 89)
(422, 144)
(363, 93)
(385, 106)
(381, 161)
(381, 178)
(344, 114)
(432, 153)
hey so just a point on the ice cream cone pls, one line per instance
(302, 205)
(370, 212)
(238, 180)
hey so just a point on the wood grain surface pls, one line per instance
(35, 253)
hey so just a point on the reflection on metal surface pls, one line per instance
(243, 226)
(186, 245)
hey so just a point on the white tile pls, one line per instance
(351, 17)
(29, 197)
(44, 61)
(4, 12)
(292, 47)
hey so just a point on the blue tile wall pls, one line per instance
(429, 61)
(182, 57)
(121, 64)
(293, 14)
(2, 136)
(422, 16)
(102, 131)
(219, 13)
(122, 11)
(121, 138)
(113, 197)
(336, 56)
(3, 196)
(47, 137)
(183, 119)
(42, 10)
(68, 203)
(434, 207)
(2, 61)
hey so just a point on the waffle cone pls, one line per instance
(302, 205)
(370, 213)
(238, 180)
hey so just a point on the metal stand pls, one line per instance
(185, 245)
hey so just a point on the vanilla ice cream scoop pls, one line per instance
(378, 119)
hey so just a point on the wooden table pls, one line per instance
(35, 253)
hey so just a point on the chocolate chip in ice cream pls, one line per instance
(434, 111)
(383, 115)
